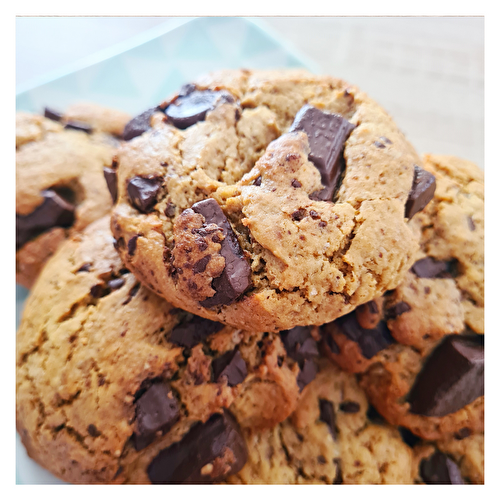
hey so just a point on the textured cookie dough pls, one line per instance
(68, 163)
(310, 261)
(93, 341)
(328, 440)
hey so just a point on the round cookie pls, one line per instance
(268, 198)
(328, 440)
(116, 385)
(399, 341)
(60, 186)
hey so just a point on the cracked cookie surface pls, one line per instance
(60, 186)
(110, 376)
(310, 260)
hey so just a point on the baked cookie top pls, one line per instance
(60, 185)
(115, 385)
(268, 198)
(416, 370)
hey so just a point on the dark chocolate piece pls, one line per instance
(327, 415)
(307, 373)
(54, 211)
(230, 366)
(52, 114)
(190, 333)
(208, 453)
(422, 191)
(299, 344)
(397, 310)
(349, 407)
(92, 430)
(440, 469)
(143, 192)
(451, 378)
(327, 133)
(156, 411)
(235, 278)
(139, 124)
(191, 108)
(81, 126)
(370, 341)
(132, 245)
(429, 268)
(111, 181)
(116, 283)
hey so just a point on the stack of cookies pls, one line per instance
(257, 280)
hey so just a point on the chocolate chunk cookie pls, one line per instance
(116, 385)
(417, 372)
(274, 199)
(329, 439)
(60, 186)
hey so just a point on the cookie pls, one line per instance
(274, 199)
(60, 186)
(417, 372)
(329, 439)
(116, 385)
(458, 460)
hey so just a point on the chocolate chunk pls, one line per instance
(170, 209)
(299, 343)
(111, 181)
(451, 378)
(307, 373)
(81, 126)
(327, 133)
(397, 310)
(208, 453)
(463, 433)
(143, 192)
(296, 183)
(201, 265)
(470, 222)
(258, 181)
(230, 366)
(92, 430)
(52, 114)
(54, 211)
(116, 283)
(422, 191)
(85, 268)
(190, 333)
(327, 415)
(429, 268)
(440, 469)
(349, 407)
(156, 411)
(132, 245)
(139, 124)
(370, 341)
(338, 475)
(235, 278)
(299, 214)
(191, 108)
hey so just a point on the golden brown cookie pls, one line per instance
(268, 198)
(60, 187)
(112, 381)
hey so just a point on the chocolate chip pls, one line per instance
(97, 291)
(422, 191)
(170, 209)
(296, 183)
(111, 181)
(190, 333)
(156, 411)
(397, 310)
(451, 378)
(116, 283)
(440, 469)
(299, 343)
(322, 223)
(92, 430)
(194, 458)
(53, 212)
(349, 407)
(132, 245)
(307, 373)
(327, 133)
(139, 124)
(314, 215)
(201, 265)
(230, 366)
(84, 269)
(429, 268)
(463, 433)
(338, 475)
(472, 225)
(299, 214)
(379, 145)
(52, 114)
(81, 126)
(258, 181)
(386, 140)
(370, 341)
(143, 192)
(235, 277)
(189, 109)
(327, 415)
(132, 293)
